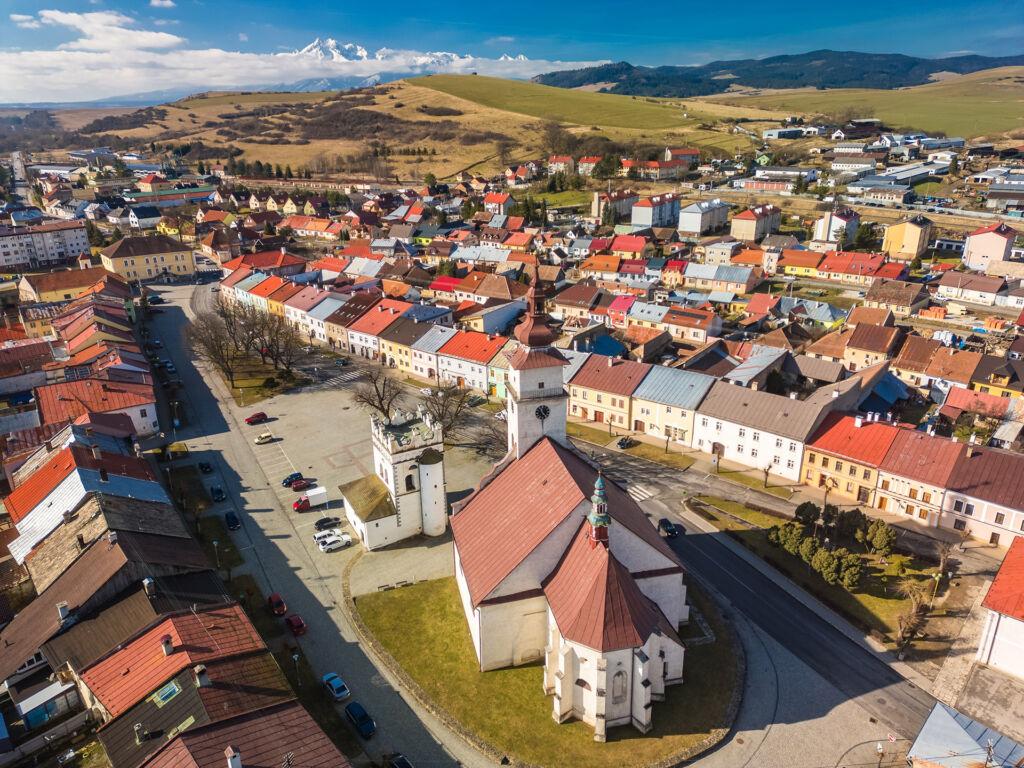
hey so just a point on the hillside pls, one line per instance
(816, 69)
(989, 103)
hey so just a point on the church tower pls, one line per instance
(537, 403)
(598, 519)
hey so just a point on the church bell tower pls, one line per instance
(537, 402)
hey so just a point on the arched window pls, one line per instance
(619, 687)
(410, 483)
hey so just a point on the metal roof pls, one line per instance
(674, 386)
(951, 739)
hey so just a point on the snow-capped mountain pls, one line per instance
(331, 50)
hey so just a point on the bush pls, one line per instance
(827, 564)
(270, 382)
(851, 570)
(808, 548)
(881, 536)
(807, 513)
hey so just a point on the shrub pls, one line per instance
(808, 547)
(270, 382)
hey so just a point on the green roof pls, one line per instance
(369, 498)
(168, 192)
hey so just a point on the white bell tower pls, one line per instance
(537, 403)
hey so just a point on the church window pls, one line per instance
(619, 687)
(540, 385)
(410, 483)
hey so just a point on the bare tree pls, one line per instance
(767, 471)
(378, 392)
(448, 406)
(231, 316)
(943, 551)
(210, 341)
(914, 591)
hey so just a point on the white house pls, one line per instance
(1002, 639)
(703, 216)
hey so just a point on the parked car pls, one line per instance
(625, 442)
(426, 391)
(314, 497)
(257, 418)
(276, 604)
(158, 344)
(231, 521)
(266, 437)
(334, 543)
(296, 625)
(670, 529)
(400, 761)
(205, 467)
(289, 479)
(327, 534)
(336, 687)
(341, 361)
(155, 299)
(326, 522)
(301, 485)
(217, 493)
(361, 719)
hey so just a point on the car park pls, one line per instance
(266, 437)
(670, 529)
(327, 534)
(277, 605)
(301, 485)
(205, 467)
(296, 625)
(217, 493)
(326, 522)
(361, 719)
(231, 521)
(334, 543)
(335, 687)
(257, 418)
(289, 479)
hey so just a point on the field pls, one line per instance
(988, 103)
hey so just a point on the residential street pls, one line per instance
(801, 669)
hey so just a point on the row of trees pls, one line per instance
(259, 169)
(834, 566)
(225, 337)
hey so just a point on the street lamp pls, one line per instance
(216, 553)
(298, 679)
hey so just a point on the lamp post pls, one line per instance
(298, 679)
(216, 553)
(935, 590)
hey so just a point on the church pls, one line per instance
(556, 563)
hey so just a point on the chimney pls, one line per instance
(835, 393)
(970, 450)
(67, 516)
(283, 252)
(62, 610)
(49, 444)
(80, 540)
(611, 361)
(140, 733)
(95, 448)
(103, 475)
(858, 422)
(149, 587)
(234, 757)
(112, 538)
(167, 645)
(792, 395)
(202, 680)
(88, 430)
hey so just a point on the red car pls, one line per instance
(256, 418)
(301, 485)
(296, 624)
(301, 505)
(277, 606)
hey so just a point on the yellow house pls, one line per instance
(602, 390)
(845, 456)
(276, 300)
(59, 286)
(800, 263)
(908, 239)
(293, 206)
(37, 319)
(396, 343)
(138, 258)
(168, 226)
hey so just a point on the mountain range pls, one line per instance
(816, 69)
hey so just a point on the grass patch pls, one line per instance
(243, 585)
(569, 197)
(309, 691)
(657, 453)
(424, 628)
(782, 491)
(225, 554)
(560, 104)
(92, 755)
(188, 489)
(873, 605)
(590, 434)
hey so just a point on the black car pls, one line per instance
(670, 529)
(326, 522)
(217, 493)
(625, 442)
(205, 467)
(155, 299)
(361, 719)
(231, 521)
(400, 761)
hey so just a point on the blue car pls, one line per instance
(287, 482)
(335, 687)
(360, 719)
(231, 521)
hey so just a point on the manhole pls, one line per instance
(872, 720)
(880, 700)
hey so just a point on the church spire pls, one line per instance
(598, 517)
(533, 330)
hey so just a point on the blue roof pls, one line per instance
(426, 313)
(434, 339)
(674, 386)
(327, 307)
(606, 345)
(721, 297)
(951, 739)
(731, 274)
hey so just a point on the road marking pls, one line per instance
(640, 492)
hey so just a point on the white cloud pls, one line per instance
(110, 55)
(25, 22)
(243, 37)
(164, 22)
(162, 3)
(501, 39)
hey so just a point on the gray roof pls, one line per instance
(674, 386)
(814, 368)
(953, 740)
(760, 359)
(327, 307)
(434, 339)
(642, 310)
(576, 361)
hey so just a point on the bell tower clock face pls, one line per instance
(542, 412)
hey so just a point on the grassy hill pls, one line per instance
(989, 103)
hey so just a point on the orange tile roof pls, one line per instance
(383, 314)
(600, 262)
(267, 287)
(67, 400)
(866, 444)
(29, 494)
(473, 345)
(284, 293)
(138, 668)
(1006, 595)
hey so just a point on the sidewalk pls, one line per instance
(810, 602)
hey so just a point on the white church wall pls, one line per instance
(513, 633)
(669, 592)
(433, 499)
(538, 565)
(472, 616)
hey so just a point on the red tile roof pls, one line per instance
(620, 377)
(757, 212)
(497, 197)
(235, 277)
(380, 317)
(140, 666)
(595, 600)
(284, 293)
(473, 345)
(922, 457)
(1000, 229)
(866, 444)
(67, 400)
(1006, 595)
(267, 287)
(629, 243)
(494, 530)
(39, 484)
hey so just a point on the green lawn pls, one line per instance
(927, 188)
(657, 453)
(310, 693)
(559, 104)
(225, 554)
(242, 585)
(590, 434)
(570, 197)
(741, 477)
(424, 628)
(873, 605)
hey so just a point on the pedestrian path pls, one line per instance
(335, 382)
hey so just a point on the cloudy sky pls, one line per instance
(91, 49)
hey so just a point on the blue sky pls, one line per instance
(92, 45)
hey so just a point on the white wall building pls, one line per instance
(1002, 639)
(42, 245)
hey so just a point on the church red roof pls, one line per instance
(1006, 595)
(507, 519)
(595, 600)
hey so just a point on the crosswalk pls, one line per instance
(335, 382)
(639, 492)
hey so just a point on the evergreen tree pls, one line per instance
(865, 238)
(288, 172)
